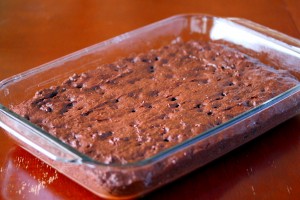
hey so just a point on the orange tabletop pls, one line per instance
(35, 32)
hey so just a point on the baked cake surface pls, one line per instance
(132, 109)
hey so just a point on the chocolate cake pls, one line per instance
(138, 106)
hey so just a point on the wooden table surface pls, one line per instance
(35, 32)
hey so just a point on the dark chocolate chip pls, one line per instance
(52, 94)
(151, 69)
(27, 117)
(218, 98)
(49, 109)
(105, 135)
(86, 113)
(114, 67)
(38, 102)
(166, 140)
(78, 85)
(204, 81)
(228, 108)
(147, 105)
(198, 106)
(218, 122)
(69, 105)
(247, 104)
(66, 107)
(132, 81)
(153, 93)
(95, 87)
(174, 105)
(216, 106)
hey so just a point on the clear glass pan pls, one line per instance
(136, 179)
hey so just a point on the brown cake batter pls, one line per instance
(138, 106)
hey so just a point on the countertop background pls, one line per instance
(35, 32)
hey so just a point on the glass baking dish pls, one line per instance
(138, 178)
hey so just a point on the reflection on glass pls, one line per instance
(22, 177)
